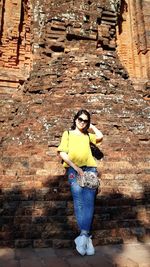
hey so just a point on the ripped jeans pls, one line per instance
(83, 199)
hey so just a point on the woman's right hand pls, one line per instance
(79, 171)
(65, 157)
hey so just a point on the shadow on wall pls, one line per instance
(36, 217)
(122, 219)
(44, 217)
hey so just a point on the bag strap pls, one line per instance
(89, 138)
(68, 137)
(91, 143)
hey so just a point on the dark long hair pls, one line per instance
(77, 115)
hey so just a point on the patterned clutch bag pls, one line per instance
(89, 179)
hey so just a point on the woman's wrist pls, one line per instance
(73, 165)
(93, 127)
(98, 133)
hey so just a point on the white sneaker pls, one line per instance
(90, 248)
(81, 244)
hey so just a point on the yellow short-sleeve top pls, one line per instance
(78, 148)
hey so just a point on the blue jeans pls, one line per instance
(83, 199)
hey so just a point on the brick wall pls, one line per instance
(75, 65)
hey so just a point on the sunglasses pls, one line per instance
(82, 120)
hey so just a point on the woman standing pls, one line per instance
(76, 153)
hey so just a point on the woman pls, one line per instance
(75, 151)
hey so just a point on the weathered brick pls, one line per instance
(133, 49)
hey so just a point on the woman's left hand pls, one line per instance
(91, 126)
(99, 135)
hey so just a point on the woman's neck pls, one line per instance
(77, 131)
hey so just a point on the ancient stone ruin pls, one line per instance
(57, 57)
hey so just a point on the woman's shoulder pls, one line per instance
(91, 134)
(92, 137)
(65, 133)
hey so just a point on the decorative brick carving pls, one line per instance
(133, 39)
(15, 42)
